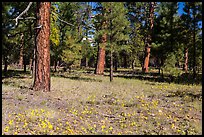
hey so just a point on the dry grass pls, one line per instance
(87, 104)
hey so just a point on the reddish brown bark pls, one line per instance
(149, 39)
(42, 70)
(146, 60)
(101, 56)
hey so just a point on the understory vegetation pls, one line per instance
(81, 102)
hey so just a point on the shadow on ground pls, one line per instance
(182, 94)
(14, 74)
(78, 78)
(185, 78)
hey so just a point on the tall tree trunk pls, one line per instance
(111, 51)
(185, 67)
(31, 65)
(101, 56)
(42, 71)
(111, 65)
(194, 41)
(149, 38)
(21, 52)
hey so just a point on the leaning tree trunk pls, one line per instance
(42, 70)
(149, 39)
(101, 56)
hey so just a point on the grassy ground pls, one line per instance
(82, 103)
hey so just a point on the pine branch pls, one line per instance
(27, 18)
(28, 7)
(62, 20)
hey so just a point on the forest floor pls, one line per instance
(83, 103)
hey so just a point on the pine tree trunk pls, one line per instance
(146, 60)
(34, 62)
(31, 65)
(185, 67)
(194, 42)
(149, 39)
(111, 65)
(42, 70)
(101, 56)
(21, 53)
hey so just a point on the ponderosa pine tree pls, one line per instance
(117, 31)
(149, 37)
(42, 67)
(100, 23)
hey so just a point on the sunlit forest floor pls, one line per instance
(83, 103)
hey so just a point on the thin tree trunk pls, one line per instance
(34, 62)
(21, 52)
(185, 67)
(42, 71)
(111, 65)
(194, 42)
(31, 65)
(149, 39)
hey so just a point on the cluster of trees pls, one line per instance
(123, 34)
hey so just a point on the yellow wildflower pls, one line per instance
(110, 128)
(6, 129)
(172, 126)
(10, 122)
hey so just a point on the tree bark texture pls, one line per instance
(194, 44)
(185, 67)
(101, 56)
(149, 38)
(111, 65)
(21, 52)
(42, 70)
